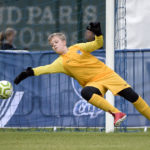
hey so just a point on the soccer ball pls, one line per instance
(6, 89)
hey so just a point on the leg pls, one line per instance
(94, 96)
(137, 101)
(119, 86)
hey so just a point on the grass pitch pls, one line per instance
(32, 140)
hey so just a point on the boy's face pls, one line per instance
(58, 44)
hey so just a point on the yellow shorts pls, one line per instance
(112, 82)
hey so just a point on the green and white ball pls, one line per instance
(6, 89)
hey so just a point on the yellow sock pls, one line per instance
(103, 104)
(142, 107)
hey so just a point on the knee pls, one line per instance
(88, 91)
(129, 94)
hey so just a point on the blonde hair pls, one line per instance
(8, 32)
(59, 34)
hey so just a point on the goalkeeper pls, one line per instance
(92, 74)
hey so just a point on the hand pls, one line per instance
(95, 27)
(23, 75)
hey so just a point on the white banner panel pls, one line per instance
(138, 24)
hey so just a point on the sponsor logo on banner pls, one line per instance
(8, 107)
(83, 108)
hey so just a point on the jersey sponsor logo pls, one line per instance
(8, 107)
(82, 107)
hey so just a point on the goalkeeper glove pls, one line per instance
(23, 75)
(95, 27)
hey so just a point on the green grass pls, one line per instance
(31, 140)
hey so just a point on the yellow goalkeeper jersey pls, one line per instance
(78, 63)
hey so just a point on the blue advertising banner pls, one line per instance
(55, 100)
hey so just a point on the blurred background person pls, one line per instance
(7, 39)
(89, 35)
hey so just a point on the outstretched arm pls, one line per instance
(94, 27)
(55, 67)
(92, 46)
